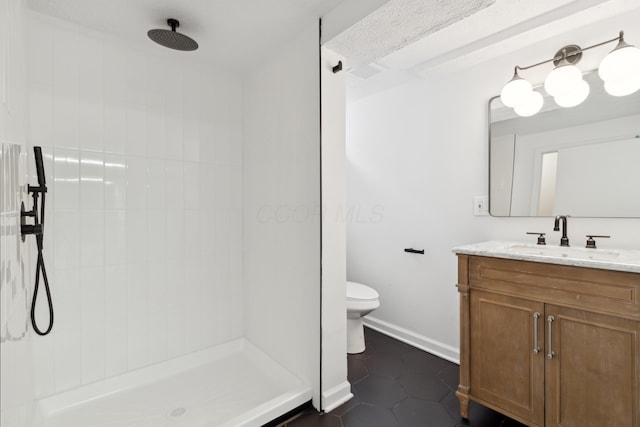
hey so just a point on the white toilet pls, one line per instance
(361, 300)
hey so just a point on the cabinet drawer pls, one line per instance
(603, 291)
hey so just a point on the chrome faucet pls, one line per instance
(564, 240)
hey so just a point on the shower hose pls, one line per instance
(40, 267)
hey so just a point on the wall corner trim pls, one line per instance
(336, 396)
(437, 348)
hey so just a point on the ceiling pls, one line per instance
(238, 33)
(491, 31)
(399, 41)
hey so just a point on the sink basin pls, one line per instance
(609, 259)
(563, 252)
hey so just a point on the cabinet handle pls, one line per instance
(536, 347)
(550, 352)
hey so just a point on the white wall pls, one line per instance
(16, 387)
(282, 207)
(417, 155)
(143, 233)
(335, 387)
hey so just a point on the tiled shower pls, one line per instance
(160, 168)
(146, 170)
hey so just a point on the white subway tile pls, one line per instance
(174, 113)
(207, 185)
(192, 234)
(136, 126)
(115, 237)
(116, 312)
(175, 138)
(91, 180)
(66, 240)
(91, 104)
(156, 183)
(176, 293)
(175, 237)
(156, 130)
(136, 236)
(116, 299)
(43, 364)
(92, 240)
(157, 286)
(222, 185)
(41, 116)
(136, 182)
(158, 336)
(91, 125)
(68, 330)
(191, 185)
(157, 235)
(92, 282)
(65, 90)
(191, 139)
(66, 183)
(116, 352)
(137, 317)
(176, 330)
(138, 341)
(115, 181)
(207, 136)
(115, 133)
(222, 231)
(175, 185)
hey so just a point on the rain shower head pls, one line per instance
(171, 38)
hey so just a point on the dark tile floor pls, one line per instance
(396, 385)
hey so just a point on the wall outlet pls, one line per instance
(481, 205)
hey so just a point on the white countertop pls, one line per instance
(608, 259)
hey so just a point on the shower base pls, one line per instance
(230, 385)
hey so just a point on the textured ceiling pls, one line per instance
(397, 24)
(238, 33)
(506, 27)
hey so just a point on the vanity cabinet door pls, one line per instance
(593, 375)
(506, 373)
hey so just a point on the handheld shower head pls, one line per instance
(37, 153)
(171, 38)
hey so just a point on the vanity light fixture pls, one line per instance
(620, 71)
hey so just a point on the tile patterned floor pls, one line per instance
(396, 385)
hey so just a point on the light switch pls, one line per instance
(481, 205)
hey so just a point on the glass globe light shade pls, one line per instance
(516, 91)
(621, 63)
(622, 87)
(531, 105)
(562, 79)
(575, 97)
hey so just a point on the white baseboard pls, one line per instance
(336, 396)
(429, 345)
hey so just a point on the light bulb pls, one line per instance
(621, 63)
(622, 87)
(516, 91)
(577, 95)
(562, 79)
(531, 105)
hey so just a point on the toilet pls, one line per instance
(361, 300)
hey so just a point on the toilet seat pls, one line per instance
(359, 292)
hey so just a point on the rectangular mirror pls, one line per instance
(582, 161)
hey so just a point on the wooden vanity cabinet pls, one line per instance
(550, 345)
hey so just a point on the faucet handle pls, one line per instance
(541, 240)
(591, 243)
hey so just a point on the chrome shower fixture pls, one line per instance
(171, 38)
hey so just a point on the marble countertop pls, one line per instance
(608, 259)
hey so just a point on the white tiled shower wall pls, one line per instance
(143, 240)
